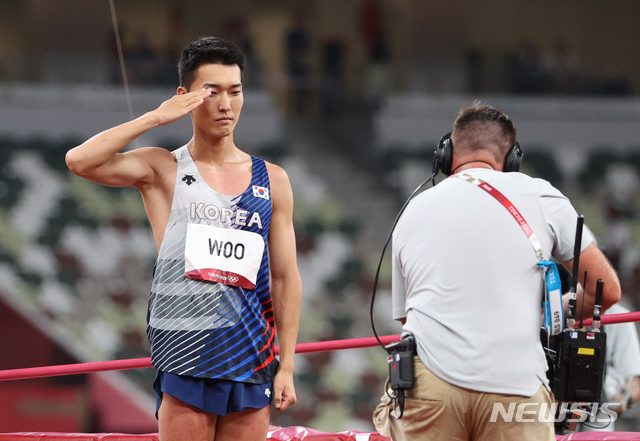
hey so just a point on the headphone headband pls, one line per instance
(443, 157)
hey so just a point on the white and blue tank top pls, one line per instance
(210, 311)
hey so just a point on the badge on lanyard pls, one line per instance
(553, 310)
(224, 255)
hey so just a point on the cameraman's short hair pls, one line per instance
(480, 117)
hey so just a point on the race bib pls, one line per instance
(224, 255)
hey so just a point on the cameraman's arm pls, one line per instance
(596, 265)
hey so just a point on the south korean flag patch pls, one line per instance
(261, 192)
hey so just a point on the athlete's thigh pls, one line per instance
(246, 425)
(179, 421)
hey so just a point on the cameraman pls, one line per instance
(467, 285)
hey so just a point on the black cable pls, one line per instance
(375, 282)
(591, 426)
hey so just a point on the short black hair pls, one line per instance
(478, 115)
(208, 50)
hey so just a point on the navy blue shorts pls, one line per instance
(219, 397)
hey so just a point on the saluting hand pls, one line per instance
(179, 105)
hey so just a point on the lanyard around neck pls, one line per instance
(552, 305)
(506, 203)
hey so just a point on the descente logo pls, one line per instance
(545, 413)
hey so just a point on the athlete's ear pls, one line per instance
(182, 90)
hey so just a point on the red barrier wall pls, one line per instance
(294, 433)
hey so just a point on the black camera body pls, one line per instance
(401, 373)
(578, 368)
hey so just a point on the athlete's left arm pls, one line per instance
(286, 285)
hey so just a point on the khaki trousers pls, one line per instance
(439, 411)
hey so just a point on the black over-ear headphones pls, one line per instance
(443, 157)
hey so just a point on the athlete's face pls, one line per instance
(219, 113)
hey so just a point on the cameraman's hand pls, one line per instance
(623, 399)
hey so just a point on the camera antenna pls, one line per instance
(584, 284)
(573, 297)
(597, 308)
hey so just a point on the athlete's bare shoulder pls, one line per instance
(277, 174)
(281, 192)
(153, 155)
(161, 162)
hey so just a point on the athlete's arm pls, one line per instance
(596, 266)
(286, 286)
(99, 160)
